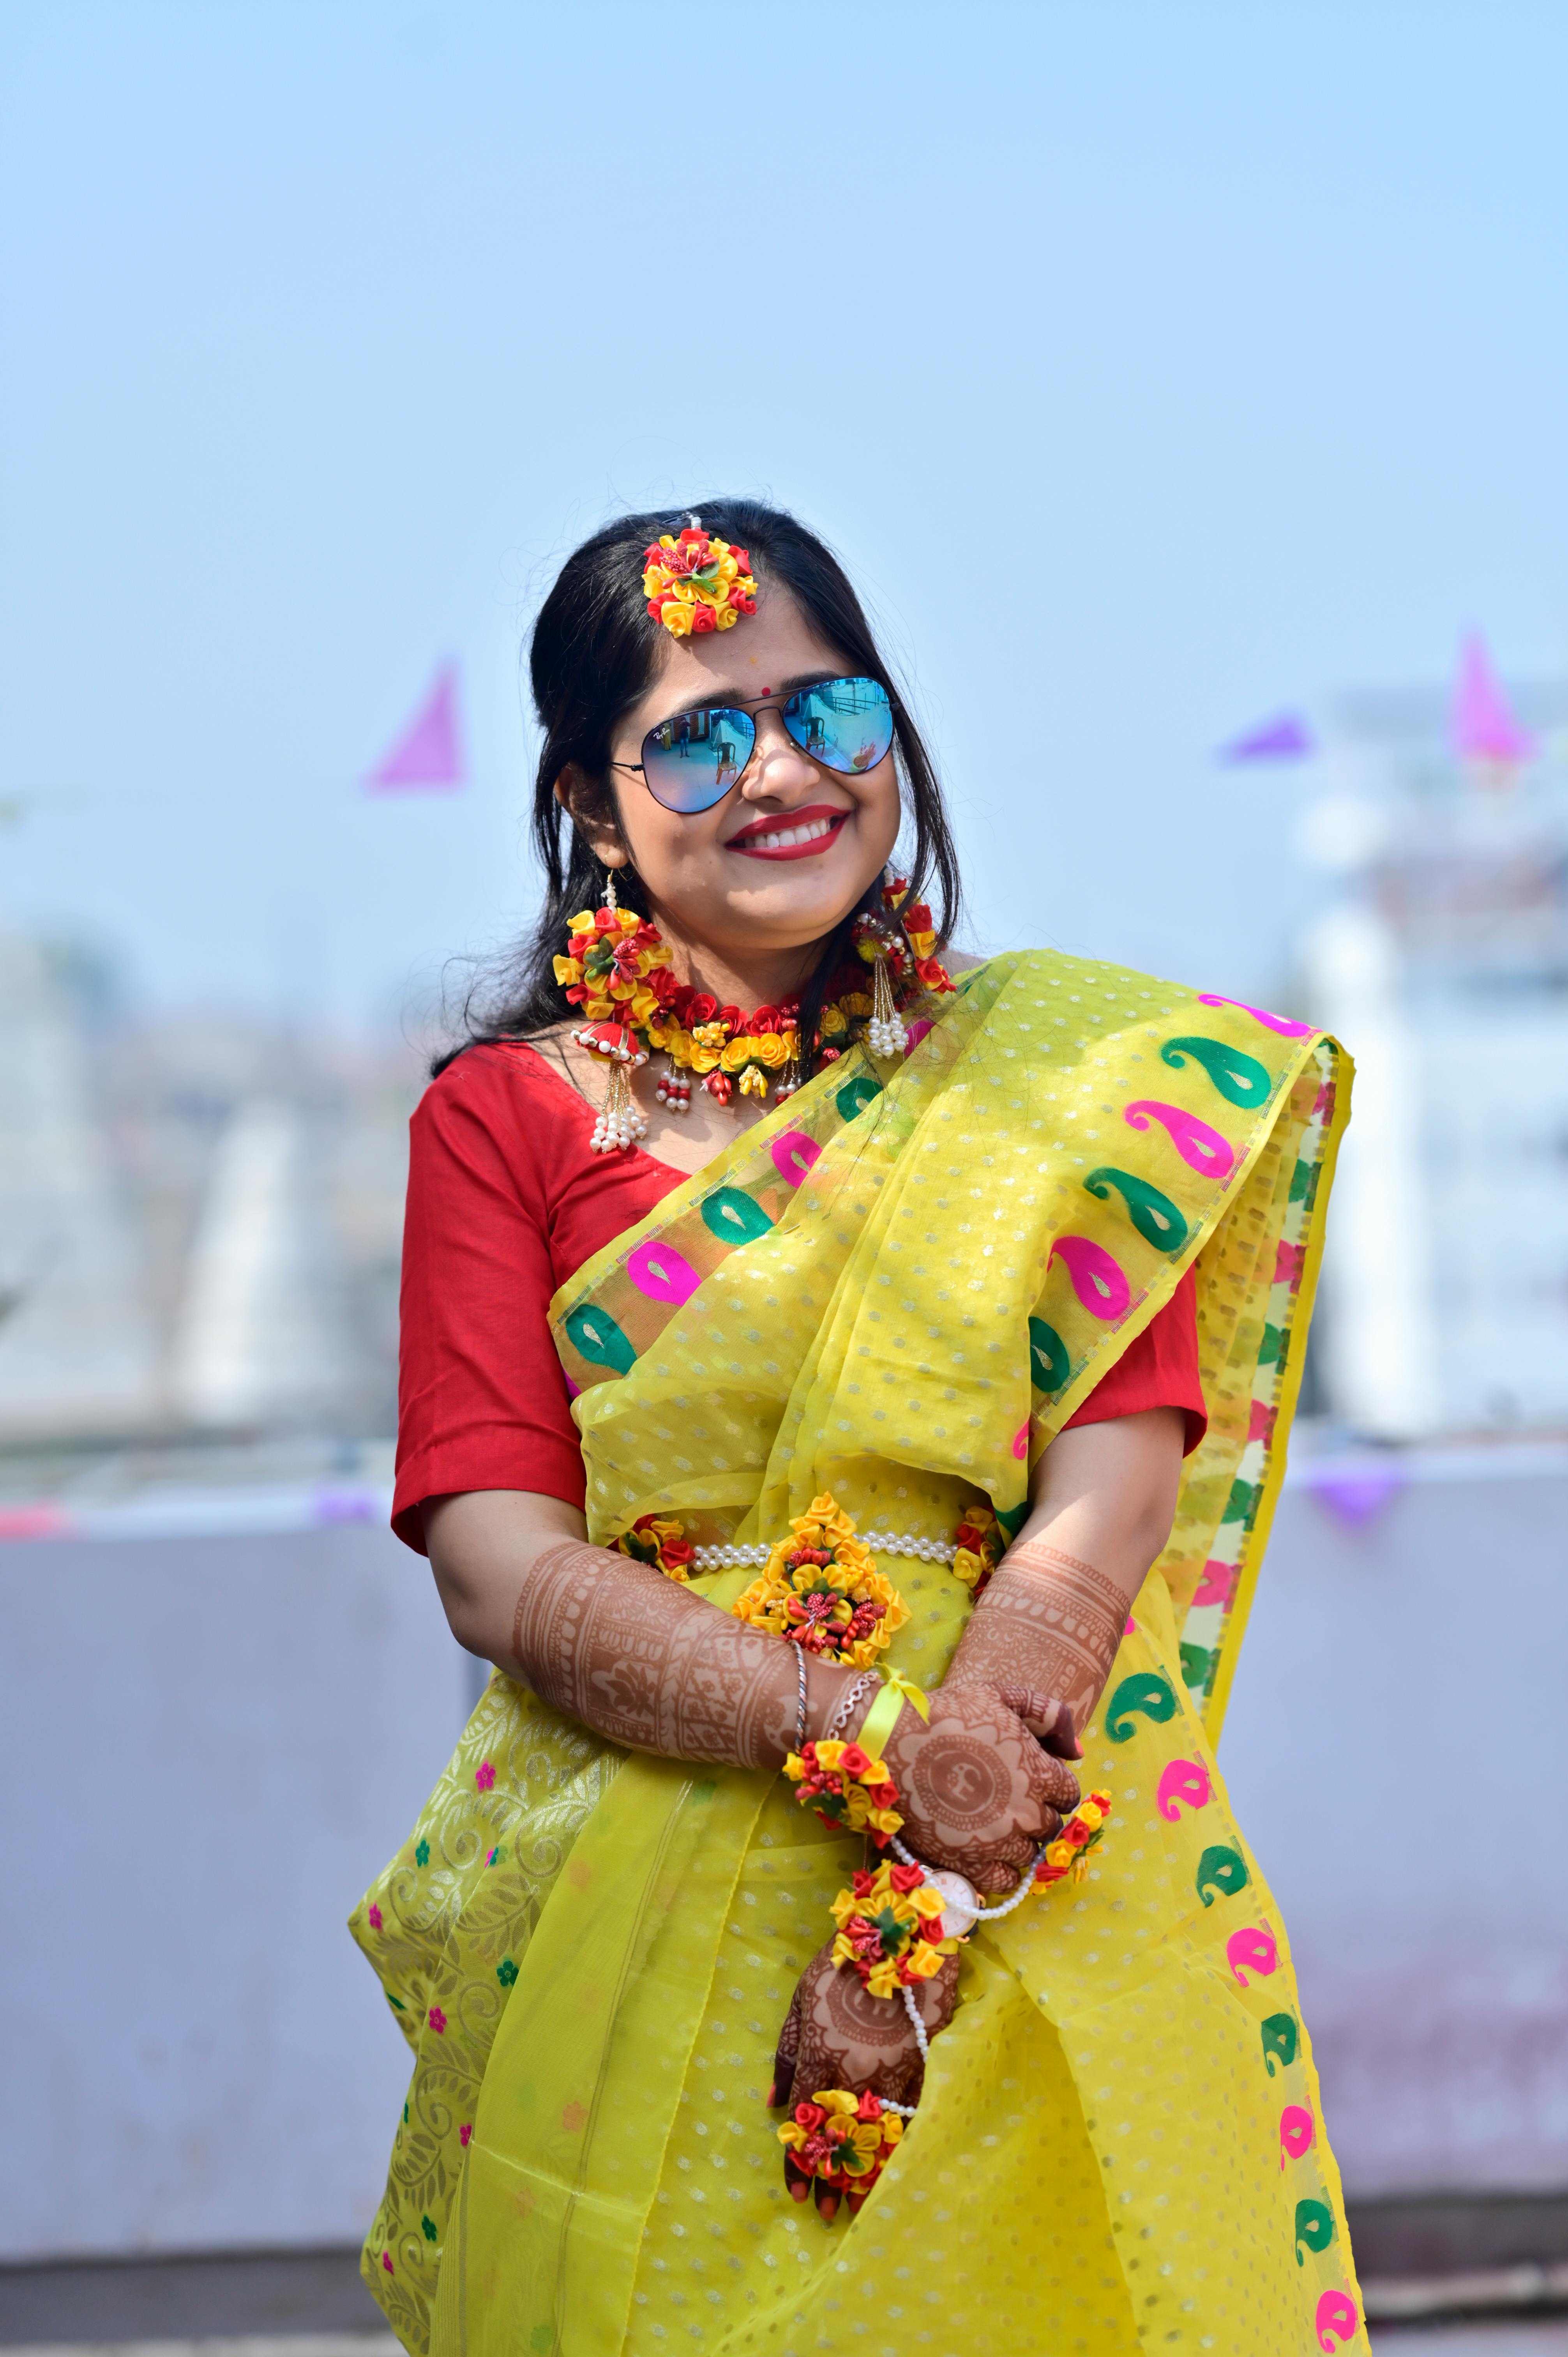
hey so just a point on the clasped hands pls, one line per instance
(980, 1786)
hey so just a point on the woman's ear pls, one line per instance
(593, 812)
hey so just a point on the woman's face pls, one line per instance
(724, 880)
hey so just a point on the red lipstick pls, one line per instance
(746, 841)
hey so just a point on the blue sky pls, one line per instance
(1153, 368)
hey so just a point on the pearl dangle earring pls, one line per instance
(621, 1123)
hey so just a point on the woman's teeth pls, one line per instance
(812, 832)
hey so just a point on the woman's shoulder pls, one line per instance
(509, 1095)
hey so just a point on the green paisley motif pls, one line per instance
(1314, 2226)
(1239, 1079)
(1225, 1869)
(855, 1095)
(734, 1217)
(1279, 2038)
(1147, 1693)
(1049, 1365)
(1154, 1215)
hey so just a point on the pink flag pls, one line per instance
(1286, 737)
(1484, 728)
(430, 751)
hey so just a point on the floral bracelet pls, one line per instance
(851, 1791)
(845, 2141)
(891, 1930)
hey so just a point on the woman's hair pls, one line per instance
(593, 654)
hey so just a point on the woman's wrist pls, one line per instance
(1047, 1621)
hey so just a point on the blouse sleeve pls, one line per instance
(1159, 1370)
(482, 1401)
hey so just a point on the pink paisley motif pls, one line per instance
(793, 1154)
(1200, 1147)
(1021, 1440)
(1296, 2131)
(661, 1274)
(1183, 1780)
(1338, 2318)
(1213, 1588)
(1280, 1023)
(1098, 1281)
(1253, 1952)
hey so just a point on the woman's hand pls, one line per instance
(976, 1788)
(838, 2035)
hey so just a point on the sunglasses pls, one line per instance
(691, 762)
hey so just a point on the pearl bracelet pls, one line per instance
(920, 1550)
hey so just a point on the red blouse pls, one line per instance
(505, 1200)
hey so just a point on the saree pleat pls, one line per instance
(899, 1288)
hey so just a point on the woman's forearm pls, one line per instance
(1053, 1616)
(614, 1643)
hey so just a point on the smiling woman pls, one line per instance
(835, 1432)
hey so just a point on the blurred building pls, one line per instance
(200, 1221)
(1443, 962)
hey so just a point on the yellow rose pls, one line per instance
(833, 1025)
(928, 1902)
(677, 620)
(738, 1053)
(567, 969)
(966, 1566)
(855, 1002)
(725, 618)
(768, 1049)
(582, 922)
(883, 1978)
(703, 1059)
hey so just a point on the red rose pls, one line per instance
(702, 1009)
(732, 1018)
(918, 919)
(870, 2108)
(882, 1796)
(854, 1761)
(656, 607)
(606, 921)
(907, 1878)
(703, 618)
(741, 558)
(692, 532)
(808, 2115)
(765, 1019)
(861, 1883)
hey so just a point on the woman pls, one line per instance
(1012, 1287)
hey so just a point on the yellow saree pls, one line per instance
(898, 1288)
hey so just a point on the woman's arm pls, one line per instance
(1052, 1618)
(612, 1642)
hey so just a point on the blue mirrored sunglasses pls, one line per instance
(690, 761)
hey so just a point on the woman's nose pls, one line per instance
(778, 770)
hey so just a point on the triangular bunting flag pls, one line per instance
(1485, 730)
(1286, 737)
(430, 751)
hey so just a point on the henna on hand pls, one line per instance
(1047, 1622)
(647, 1663)
(976, 1789)
(838, 2035)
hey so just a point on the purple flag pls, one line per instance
(1483, 728)
(430, 751)
(1286, 737)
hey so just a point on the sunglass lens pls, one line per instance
(845, 724)
(691, 761)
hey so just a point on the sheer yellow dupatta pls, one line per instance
(897, 1288)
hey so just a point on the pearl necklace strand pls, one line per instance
(920, 1550)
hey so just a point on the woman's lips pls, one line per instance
(802, 835)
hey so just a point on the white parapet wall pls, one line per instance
(219, 1715)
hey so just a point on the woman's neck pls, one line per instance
(766, 979)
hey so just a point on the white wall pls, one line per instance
(211, 1742)
(1397, 1749)
(210, 1746)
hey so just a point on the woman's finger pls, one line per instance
(781, 2093)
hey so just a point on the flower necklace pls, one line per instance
(618, 969)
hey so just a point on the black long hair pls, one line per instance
(593, 655)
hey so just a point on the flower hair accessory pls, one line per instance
(890, 1928)
(851, 1791)
(694, 583)
(820, 1589)
(843, 2141)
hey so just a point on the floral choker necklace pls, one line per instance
(618, 970)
